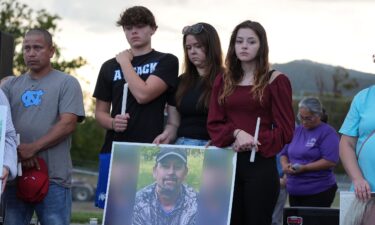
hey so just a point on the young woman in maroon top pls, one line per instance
(246, 91)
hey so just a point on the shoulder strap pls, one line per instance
(372, 133)
(360, 149)
(270, 74)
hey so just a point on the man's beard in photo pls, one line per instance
(167, 189)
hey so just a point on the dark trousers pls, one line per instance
(256, 190)
(322, 199)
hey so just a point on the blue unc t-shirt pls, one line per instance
(360, 123)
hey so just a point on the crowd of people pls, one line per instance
(240, 102)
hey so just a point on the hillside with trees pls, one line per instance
(312, 78)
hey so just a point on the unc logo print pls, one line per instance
(102, 196)
(311, 142)
(30, 98)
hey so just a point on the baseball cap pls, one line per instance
(167, 152)
(32, 186)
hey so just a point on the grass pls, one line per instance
(84, 217)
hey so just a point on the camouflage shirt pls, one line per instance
(148, 211)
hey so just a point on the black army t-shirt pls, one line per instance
(146, 120)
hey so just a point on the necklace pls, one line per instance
(247, 79)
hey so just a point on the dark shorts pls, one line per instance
(101, 189)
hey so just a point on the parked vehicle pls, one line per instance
(83, 188)
(82, 191)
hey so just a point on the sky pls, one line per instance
(336, 32)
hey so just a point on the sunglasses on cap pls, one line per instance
(195, 29)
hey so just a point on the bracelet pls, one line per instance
(113, 124)
(173, 125)
(239, 130)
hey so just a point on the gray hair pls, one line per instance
(312, 104)
(359, 211)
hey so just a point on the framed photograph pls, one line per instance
(169, 184)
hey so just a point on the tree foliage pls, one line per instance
(341, 80)
(86, 143)
(319, 81)
(17, 18)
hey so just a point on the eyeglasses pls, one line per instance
(305, 118)
(195, 29)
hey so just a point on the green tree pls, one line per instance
(341, 80)
(86, 142)
(17, 18)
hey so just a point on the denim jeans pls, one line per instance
(277, 216)
(190, 141)
(54, 209)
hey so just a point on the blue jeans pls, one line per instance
(277, 216)
(190, 141)
(54, 209)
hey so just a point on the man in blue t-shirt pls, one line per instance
(46, 105)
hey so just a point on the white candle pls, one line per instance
(124, 99)
(252, 156)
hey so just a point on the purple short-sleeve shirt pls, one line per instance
(310, 145)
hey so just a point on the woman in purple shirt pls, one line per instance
(309, 159)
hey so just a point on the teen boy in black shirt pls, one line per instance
(151, 76)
